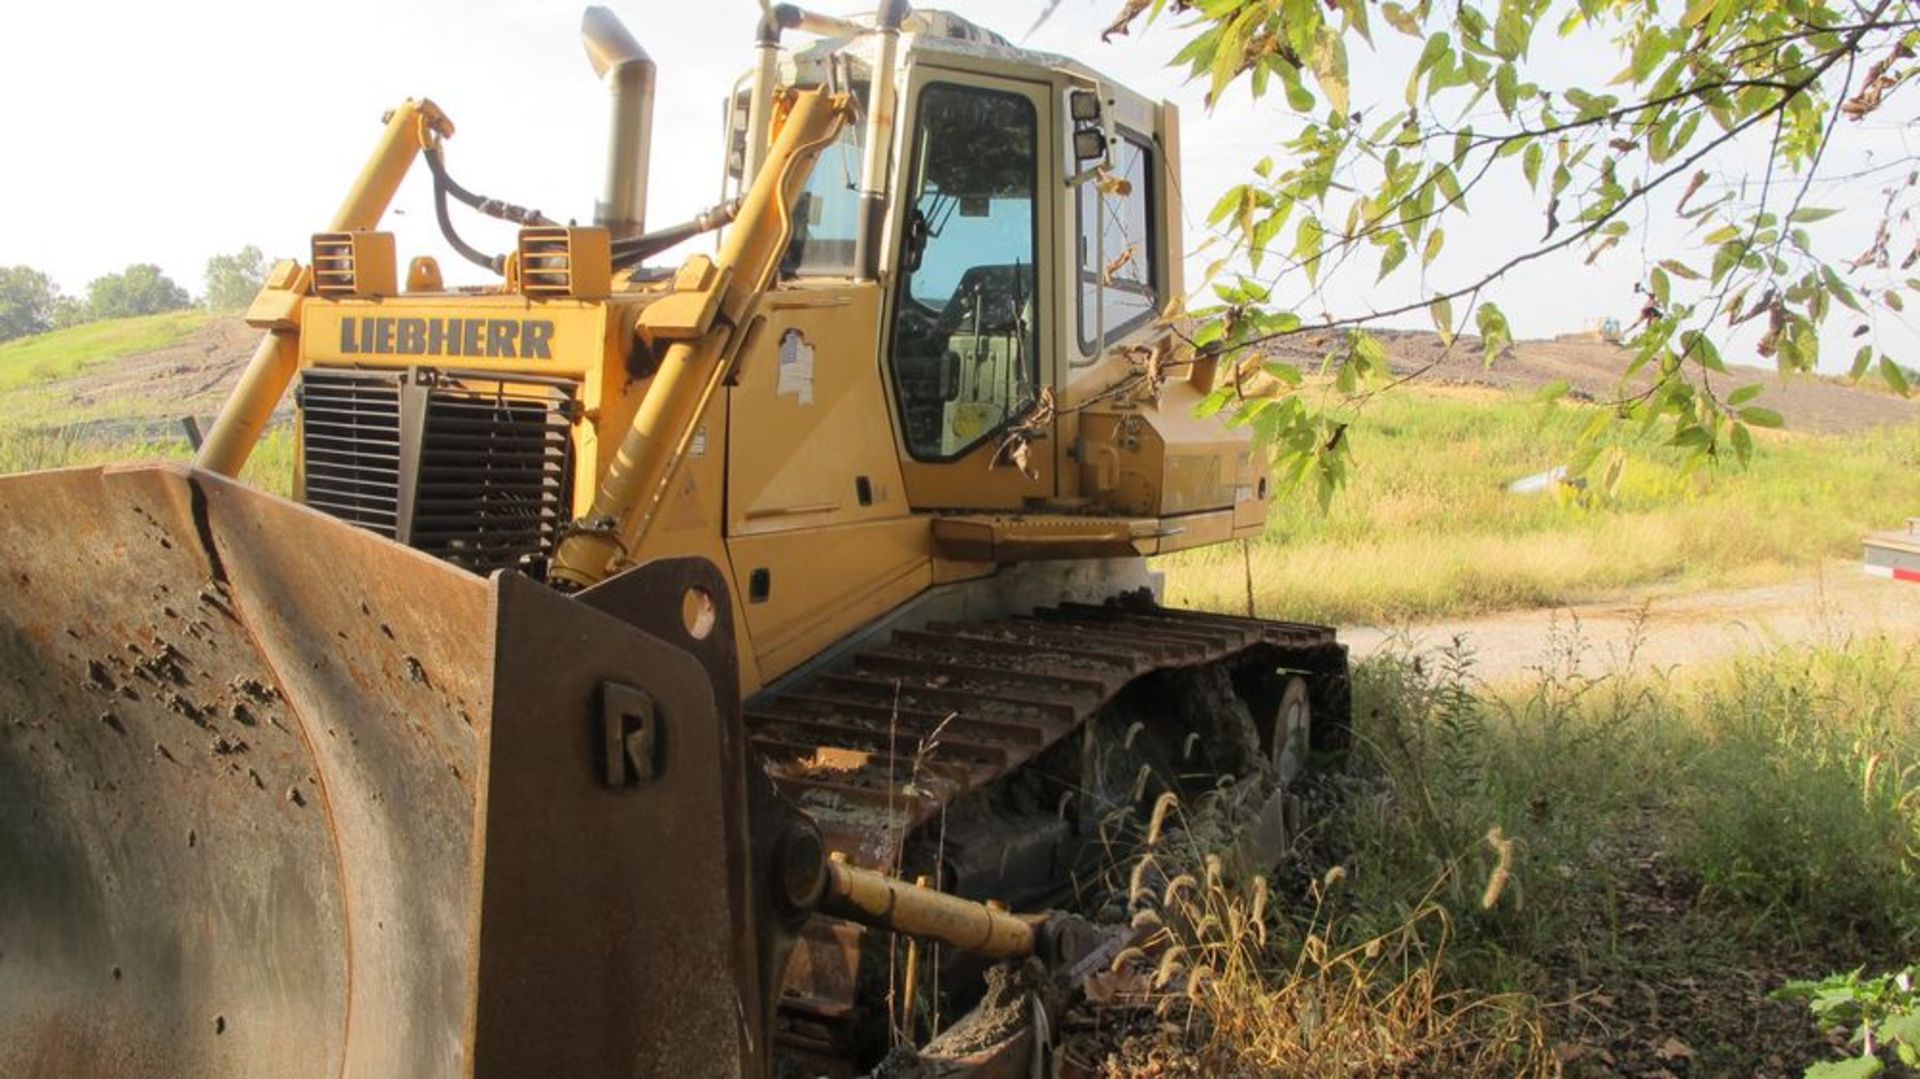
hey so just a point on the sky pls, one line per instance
(167, 133)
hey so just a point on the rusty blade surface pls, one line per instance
(281, 797)
(614, 935)
(237, 753)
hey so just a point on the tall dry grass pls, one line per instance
(1245, 984)
(1489, 863)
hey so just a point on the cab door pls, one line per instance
(969, 335)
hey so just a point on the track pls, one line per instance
(876, 748)
(950, 752)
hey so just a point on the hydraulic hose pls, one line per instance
(444, 185)
(640, 248)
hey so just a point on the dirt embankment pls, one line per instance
(1592, 369)
(192, 377)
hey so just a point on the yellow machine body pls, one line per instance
(795, 474)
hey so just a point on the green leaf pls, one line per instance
(1697, 11)
(1856, 1068)
(1357, 12)
(1329, 60)
(1506, 88)
(1742, 443)
(1399, 18)
(1761, 417)
(1299, 98)
(1511, 29)
(1229, 204)
(1809, 214)
(1744, 394)
(1494, 332)
(1437, 46)
(1369, 354)
(1692, 436)
(1213, 402)
(1432, 251)
(1896, 378)
(1581, 463)
(1531, 162)
(1679, 269)
(1442, 312)
(1615, 472)
(1393, 256)
(1347, 380)
(1284, 372)
(1306, 245)
(1902, 1028)
(1862, 360)
(1839, 289)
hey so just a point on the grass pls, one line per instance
(1425, 530)
(1595, 875)
(64, 353)
(270, 468)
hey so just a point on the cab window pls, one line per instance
(965, 342)
(826, 215)
(1118, 290)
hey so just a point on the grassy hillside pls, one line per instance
(1425, 528)
(64, 353)
(129, 417)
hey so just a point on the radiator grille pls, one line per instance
(493, 480)
(350, 439)
(469, 469)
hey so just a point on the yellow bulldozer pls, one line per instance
(648, 657)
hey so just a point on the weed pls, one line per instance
(1803, 791)
(1879, 1013)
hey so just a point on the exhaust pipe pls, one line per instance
(873, 166)
(628, 72)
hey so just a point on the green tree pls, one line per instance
(27, 299)
(70, 311)
(140, 289)
(233, 280)
(1714, 121)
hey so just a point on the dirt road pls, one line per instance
(1673, 629)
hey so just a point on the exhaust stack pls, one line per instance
(628, 73)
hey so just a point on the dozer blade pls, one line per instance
(281, 797)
